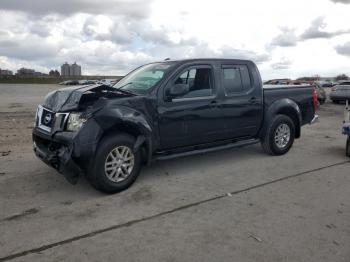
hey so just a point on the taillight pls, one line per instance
(315, 99)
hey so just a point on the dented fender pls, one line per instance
(129, 120)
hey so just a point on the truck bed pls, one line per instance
(300, 94)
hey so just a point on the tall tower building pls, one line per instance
(65, 69)
(75, 69)
(70, 70)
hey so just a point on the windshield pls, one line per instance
(144, 78)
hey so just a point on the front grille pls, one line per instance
(48, 120)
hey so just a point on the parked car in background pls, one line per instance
(70, 83)
(340, 92)
(87, 82)
(321, 93)
(327, 84)
(109, 82)
(64, 83)
(78, 82)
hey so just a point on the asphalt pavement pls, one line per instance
(233, 205)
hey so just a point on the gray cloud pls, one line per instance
(282, 64)
(131, 8)
(42, 27)
(341, 1)
(30, 48)
(316, 30)
(125, 31)
(287, 38)
(229, 52)
(343, 49)
(103, 44)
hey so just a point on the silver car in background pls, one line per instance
(340, 92)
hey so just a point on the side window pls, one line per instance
(245, 77)
(198, 81)
(236, 79)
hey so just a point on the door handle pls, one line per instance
(213, 102)
(253, 100)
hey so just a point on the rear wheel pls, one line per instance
(347, 150)
(116, 165)
(279, 136)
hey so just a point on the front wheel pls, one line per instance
(279, 136)
(116, 164)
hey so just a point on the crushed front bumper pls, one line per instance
(57, 152)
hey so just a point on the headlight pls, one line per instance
(75, 122)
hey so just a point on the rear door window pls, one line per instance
(236, 79)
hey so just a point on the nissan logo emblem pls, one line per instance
(47, 118)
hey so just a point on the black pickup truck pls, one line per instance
(164, 110)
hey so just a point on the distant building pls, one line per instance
(65, 69)
(54, 73)
(70, 70)
(4, 72)
(75, 70)
(28, 72)
(25, 72)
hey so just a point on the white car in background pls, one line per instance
(340, 92)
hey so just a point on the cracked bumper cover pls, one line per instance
(61, 161)
(69, 153)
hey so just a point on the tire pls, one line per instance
(107, 152)
(347, 150)
(322, 101)
(268, 141)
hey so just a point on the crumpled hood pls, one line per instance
(67, 99)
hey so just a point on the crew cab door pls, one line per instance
(242, 105)
(194, 117)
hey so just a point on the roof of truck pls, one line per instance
(206, 59)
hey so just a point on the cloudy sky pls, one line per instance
(110, 37)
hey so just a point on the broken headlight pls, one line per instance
(75, 121)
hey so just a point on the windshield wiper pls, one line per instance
(125, 91)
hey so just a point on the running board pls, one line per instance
(210, 149)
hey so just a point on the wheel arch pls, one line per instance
(143, 140)
(124, 119)
(283, 107)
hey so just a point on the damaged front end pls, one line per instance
(57, 155)
(66, 147)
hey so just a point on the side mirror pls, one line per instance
(177, 90)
